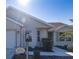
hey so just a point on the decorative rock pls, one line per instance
(20, 50)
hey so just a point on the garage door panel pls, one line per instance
(10, 39)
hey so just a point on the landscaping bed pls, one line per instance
(41, 49)
(65, 48)
(46, 45)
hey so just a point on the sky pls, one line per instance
(47, 10)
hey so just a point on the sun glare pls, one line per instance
(23, 2)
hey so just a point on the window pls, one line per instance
(61, 36)
(69, 39)
(68, 36)
(61, 39)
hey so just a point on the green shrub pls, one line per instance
(47, 44)
(70, 48)
(29, 48)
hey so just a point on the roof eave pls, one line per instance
(14, 21)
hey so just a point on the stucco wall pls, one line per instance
(44, 33)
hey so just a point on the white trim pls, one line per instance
(60, 27)
(14, 21)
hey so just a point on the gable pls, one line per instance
(19, 16)
(11, 25)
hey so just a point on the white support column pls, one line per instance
(18, 38)
(54, 38)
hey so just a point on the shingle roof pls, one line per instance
(57, 24)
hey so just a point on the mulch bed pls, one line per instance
(41, 50)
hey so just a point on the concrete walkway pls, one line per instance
(57, 52)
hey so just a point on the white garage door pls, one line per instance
(10, 39)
